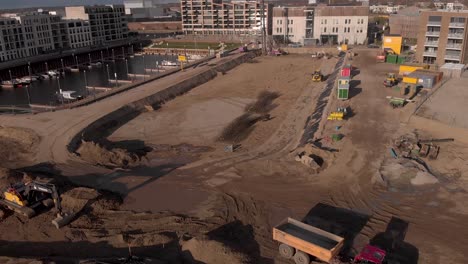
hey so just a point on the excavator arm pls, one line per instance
(46, 188)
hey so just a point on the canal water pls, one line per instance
(44, 91)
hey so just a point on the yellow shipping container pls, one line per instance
(406, 69)
(344, 47)
(393, 42)
(410, 80)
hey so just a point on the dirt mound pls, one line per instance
(316, 158)
(99, 155)
(404, 174)
(210, 251)
(76, 199)
(17, 146)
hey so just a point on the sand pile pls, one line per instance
(405, 173)
(17, 146)
(211, 252)
(99, 155)
(76, 199)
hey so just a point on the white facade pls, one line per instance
(108, 22)
(291, 28)
(351, 30)
(79, 33)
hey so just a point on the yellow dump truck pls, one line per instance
(301, 241)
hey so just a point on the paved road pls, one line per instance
(56, 129)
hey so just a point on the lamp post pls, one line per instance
(102, 56)
(47, 67)
(11, 77)
(144, 67)
(76, 60)
(86, 83)
(27, 87)
(108, 76)
(113, 55)
(126, 66)
(123, 51)
(115, 76)
(89, 56)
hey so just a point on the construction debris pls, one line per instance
(410, 147)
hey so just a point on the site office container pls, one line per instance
(423, 79)
(343, 87)
(406, 69)
(346, 71)
(410, 80)
(392, 58)
(437, 74)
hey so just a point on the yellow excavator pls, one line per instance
(317, 76)
(27, 198)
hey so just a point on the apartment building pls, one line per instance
(442, 37)
(79, 32)
(341, 24)
(293, 24)
(219, 17)
(405, 23)
(107, 22)
(12, 42)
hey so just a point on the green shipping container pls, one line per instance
(392, 58)
(401, 60)
(343, 94)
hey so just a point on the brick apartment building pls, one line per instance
(443, 36)
(217, 17)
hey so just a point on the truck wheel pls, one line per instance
(286, 251)
(301, 258)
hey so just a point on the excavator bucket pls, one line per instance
(63, 219)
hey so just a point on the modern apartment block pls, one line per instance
(219, 17)
(293, 24)
(79, 32)
(12, 42)
(443, 37)
(341, 24)
(108, 22)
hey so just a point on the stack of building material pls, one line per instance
(452, 70)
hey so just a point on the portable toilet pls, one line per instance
(343, 88)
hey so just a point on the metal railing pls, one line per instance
(457, 25)
(433, 33)
(430, 53)
(433, 23)
(454, 46)
(452, 56)
(431, 43)
(455, 35)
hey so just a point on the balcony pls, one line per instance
(452, 57)
(455, 35)
(430, 54)
(433, 33)
(454, 46)
(433, 23)
(457, 25)
(431, 43)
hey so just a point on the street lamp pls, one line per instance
(123, 51)
(89, 56)
(27, 87)
(144, 67)
(113, 55)
(47, 67)
(102, 56)
(86, 82)
(11, 77)
(116, 83)
(76, 60)
(108, 76)
(126, 66)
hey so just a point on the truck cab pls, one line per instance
(370, 254)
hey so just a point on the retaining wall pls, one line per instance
(106, 125)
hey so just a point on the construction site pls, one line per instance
(317, 157)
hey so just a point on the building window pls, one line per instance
(292, 21)
(325, 30)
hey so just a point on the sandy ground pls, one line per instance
(448, 104)
(236, 198)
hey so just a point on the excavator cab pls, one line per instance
(317, 76)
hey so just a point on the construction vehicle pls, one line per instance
(338, 115)
(317, 76)
(301, 242)
(391, 80)
(27, 198)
